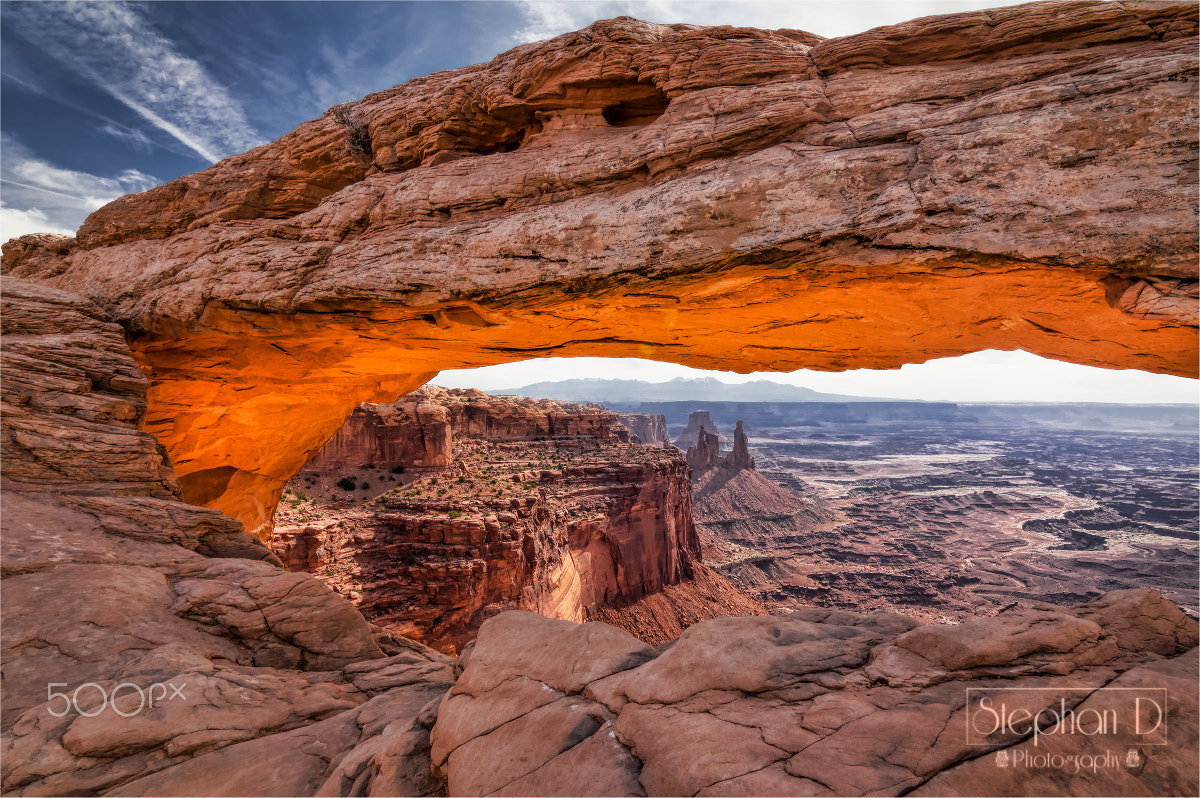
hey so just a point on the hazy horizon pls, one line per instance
(991, 376)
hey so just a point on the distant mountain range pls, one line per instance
(680, 389)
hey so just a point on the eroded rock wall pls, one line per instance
(650, 428)
(1013, 178)
(109, 579)
(541, 506)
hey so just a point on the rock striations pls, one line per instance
(1021, 177)
(541, 506)
(706, 454)
(650, 428)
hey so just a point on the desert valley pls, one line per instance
(252, 547)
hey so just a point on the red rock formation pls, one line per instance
(412, 432)
(1015, 178)
(661, 617)
(697, 420)
(545, 508)
(650, 428)
(706, 453)
(739, 458)
(111, 582)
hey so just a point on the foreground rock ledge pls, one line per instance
(726, 198)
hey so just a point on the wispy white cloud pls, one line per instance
(127, 134)
(115, 47)
(15, 222)
(548, 18)
(40, 197)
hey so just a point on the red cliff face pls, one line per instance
(562, 524)
(1021, 178)
(411, 432)
(650, 428)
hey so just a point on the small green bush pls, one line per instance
(347, 483)
(398, 470)
(455, 514)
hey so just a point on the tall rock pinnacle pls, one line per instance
(740, 457)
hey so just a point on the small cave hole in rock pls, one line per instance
(637, 112)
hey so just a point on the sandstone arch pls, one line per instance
(1015, 178)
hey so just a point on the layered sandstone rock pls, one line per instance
(112, 585)
(823, 703)
(700, 420)
(1015, 178)
(412, 432)
(706, 454)
(106, 584)
(650, 428)
(544, 506)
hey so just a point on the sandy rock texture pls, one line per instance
(111, 586)
(825, 703)
(1013, 178)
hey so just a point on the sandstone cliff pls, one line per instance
(650, 428)
(543, 506)
(1015, 178)
(697, 420)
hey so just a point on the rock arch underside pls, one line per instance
(1018, 178)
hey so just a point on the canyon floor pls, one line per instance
(977, 512)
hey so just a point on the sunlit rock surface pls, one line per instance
(724, 198)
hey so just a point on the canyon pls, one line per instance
(947, 512)
(445, 508)
(1014, 178)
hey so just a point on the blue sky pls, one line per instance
(99, 99)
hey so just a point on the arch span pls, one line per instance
(930, 189)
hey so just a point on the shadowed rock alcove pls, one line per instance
(722, 198)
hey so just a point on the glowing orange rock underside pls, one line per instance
(242, 406)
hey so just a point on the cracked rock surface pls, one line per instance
(866, 705)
